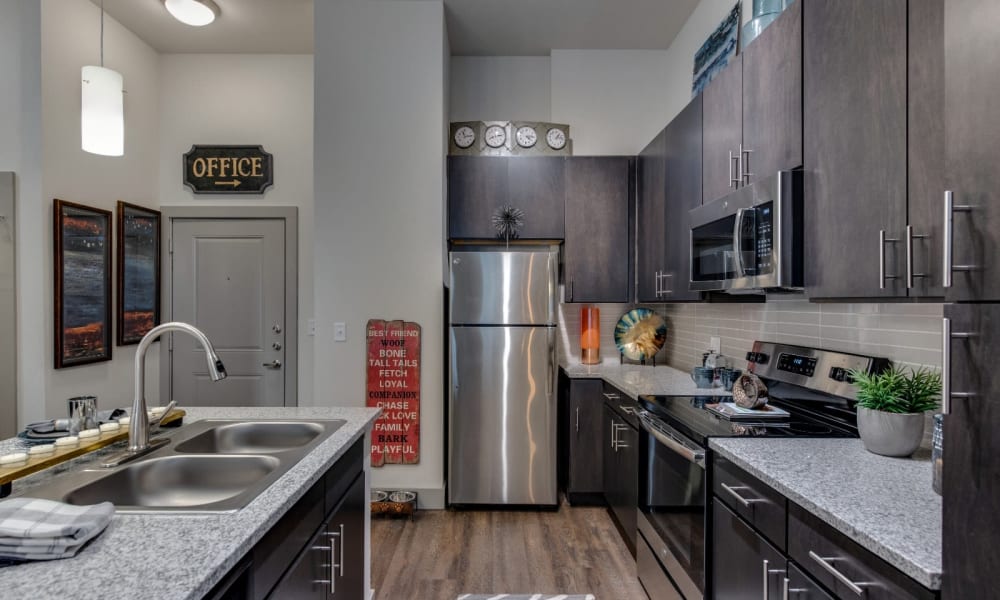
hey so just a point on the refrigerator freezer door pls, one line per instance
(502, 416)
(503, 287)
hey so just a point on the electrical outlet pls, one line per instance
(339, 332)
(715, 344)
(311, 326)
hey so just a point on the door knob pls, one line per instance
(274, 364)
(276, 328)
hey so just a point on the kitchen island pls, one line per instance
(184, 556)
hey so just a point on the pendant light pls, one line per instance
(102, 107)
(196, 13)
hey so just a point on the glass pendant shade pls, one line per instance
(196, 13)
(590, 335)
(102, 112)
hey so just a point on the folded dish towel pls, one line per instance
(35, 529)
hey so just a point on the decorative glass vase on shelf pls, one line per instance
(590, 335)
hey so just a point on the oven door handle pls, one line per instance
(695, 456)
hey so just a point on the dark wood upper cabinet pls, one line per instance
(925, 148)
(537, 186)
(971, 498)
(854, 152)
(683, 153)
(597, 248)
(972, 136)
(772, 98)
(651, 254)
(479, 185)
(723, 130)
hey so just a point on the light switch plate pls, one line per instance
(339, 332)
(715, 344)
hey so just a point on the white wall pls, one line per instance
(379, 150)
(500, 88)
(70, 40)
(21, 152)
(613, 100)
(246, 99)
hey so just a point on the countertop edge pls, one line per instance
(920, 574)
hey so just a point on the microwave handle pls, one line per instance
(738, 242)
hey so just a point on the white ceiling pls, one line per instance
(475, 27)
(534, 27)
(245, 26)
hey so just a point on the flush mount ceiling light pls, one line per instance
(193, 12)
(102, 107)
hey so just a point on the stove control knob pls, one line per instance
(838, 374)
(762, 358)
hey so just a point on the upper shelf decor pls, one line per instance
(509, 138)
(82, 284)
(640, 334)
(717, 51)
(228, 169)
(138, 270)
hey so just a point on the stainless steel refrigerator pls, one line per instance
(502, 405)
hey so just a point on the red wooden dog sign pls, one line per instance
(394, 386)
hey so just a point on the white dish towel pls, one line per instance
(35, 529)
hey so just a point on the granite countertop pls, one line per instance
(635, 380)
(885, 504)
(178, 556)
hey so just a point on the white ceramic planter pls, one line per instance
(890, 434)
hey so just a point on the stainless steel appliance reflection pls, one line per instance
(502, 406)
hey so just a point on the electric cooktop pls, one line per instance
(813, 385)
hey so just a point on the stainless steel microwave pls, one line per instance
(751, 239)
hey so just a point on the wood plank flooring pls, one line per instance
(444, 553)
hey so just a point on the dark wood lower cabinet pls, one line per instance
(802, 587)
(621, 472)
(316, 550)
(745, 565)
(583, 427)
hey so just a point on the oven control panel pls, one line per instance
(800, 365)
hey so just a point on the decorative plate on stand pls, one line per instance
(640, 334)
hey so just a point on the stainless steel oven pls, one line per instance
(750, 239)
(671, 512)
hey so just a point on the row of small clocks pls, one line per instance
(509, 138)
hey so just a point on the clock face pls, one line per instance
(556, 139)
(495, 136)
(464, 136)
(526, 136)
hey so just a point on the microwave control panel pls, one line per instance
(765, 238)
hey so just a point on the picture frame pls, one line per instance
(138, 272)
(83, 240)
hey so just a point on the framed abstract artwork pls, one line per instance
(82, 284)
(138, 269)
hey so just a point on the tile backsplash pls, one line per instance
(908, 334)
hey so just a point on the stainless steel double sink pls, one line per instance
(210, 466)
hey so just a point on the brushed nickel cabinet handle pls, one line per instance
(733, 181)
(745, 173)
(578, 419)
(949, 234)
(946, 337)
(844, 579)
(910, 275)
(882, 240)
(744, 501)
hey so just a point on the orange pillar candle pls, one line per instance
(590, 335)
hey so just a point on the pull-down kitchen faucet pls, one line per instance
(138, 428)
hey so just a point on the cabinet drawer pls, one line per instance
(802, 587)
(842, 565)
(750, 498)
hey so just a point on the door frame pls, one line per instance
(288, 214)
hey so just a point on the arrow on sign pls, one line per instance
(235, 183)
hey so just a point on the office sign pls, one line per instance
(228, 169)
(393, 367)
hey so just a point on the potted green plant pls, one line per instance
(891, 407)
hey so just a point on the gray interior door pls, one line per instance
(228, 279)
(8, 327)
